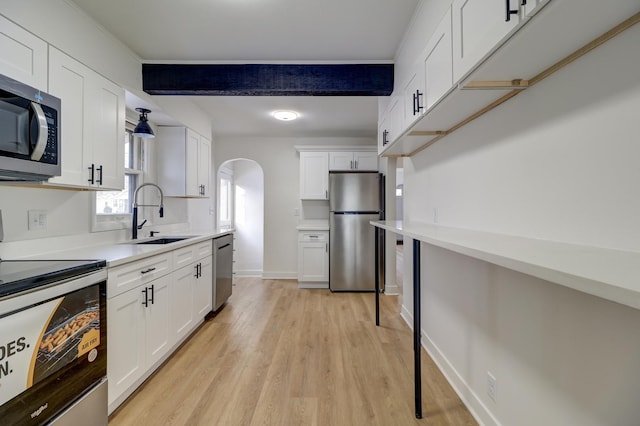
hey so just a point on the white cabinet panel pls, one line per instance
(438, 63)
(93, 115)
(181, 312)
(184, 162)
(479, 26)
(313, 256)
(203, 290)
(348, 160)
(158, 338)
(24, 56)
(314, 175)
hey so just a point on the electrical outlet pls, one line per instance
(492, 387)
(37, 219)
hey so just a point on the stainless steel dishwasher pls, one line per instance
(223, 260)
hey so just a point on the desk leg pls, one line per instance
(417, 348)
(377, 273)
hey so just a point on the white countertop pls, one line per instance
(607, 273)
(313, 227)
(125, 252)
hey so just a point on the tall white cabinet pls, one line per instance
(24, 56)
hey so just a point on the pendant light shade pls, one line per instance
(143, 129)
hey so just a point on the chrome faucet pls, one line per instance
(135, 205)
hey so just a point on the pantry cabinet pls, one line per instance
(314, 175)
(479, 26)
(24, 56)
(92, 125)
(184, 162)
(353, 160)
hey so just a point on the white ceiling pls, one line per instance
(265, 31)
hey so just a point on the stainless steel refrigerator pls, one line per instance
(355, 198)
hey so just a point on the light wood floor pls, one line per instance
(279, 355)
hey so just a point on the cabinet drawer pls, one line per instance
(310, 236)
(125, 277)
(186, 255)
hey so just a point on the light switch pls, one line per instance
(37, 220)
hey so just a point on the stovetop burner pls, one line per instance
(20, 275)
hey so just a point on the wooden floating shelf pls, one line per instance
(497, 85)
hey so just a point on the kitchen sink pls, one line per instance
(167, 240)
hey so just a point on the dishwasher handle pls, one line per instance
(226, 245)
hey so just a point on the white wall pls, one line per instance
(280, 163)
(558, 162)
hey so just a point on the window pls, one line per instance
(113, 208)
(226, 200)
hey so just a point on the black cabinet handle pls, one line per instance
(146, 297)
(146, 271)
(418, 106)
(99, 181)
(93, 173)
(415, 111)
(510, 11)
(384, 137)
(197, 273)
(153, 293)
(524, 2)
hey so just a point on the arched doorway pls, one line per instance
(240, 184)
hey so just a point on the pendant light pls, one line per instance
(143, 129)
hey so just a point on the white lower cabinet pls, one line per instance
(313, 259)
(153, 305)
(137, 332)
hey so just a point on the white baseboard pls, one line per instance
(306, 284)
(249, 273)
(392, 290)
(280, 275)
(474, 404)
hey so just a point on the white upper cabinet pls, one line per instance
(347, 160)
(478, 27)
(93, 117)
(531, 7)
(24, 56)
(438, 65)
(184, 162)
(314, 175)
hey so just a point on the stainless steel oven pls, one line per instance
(29, 132)
(53, 342)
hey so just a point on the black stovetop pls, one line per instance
(20, 275)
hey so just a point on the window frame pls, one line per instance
(230, 223)
(109, 222)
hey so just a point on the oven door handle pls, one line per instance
(43, 132)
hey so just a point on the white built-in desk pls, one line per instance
(610, 274)
(606, 273)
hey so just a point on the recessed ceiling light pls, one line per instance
(285, 115)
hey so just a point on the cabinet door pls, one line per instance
(413, 95)
(314, 175)
(383, 133)
(203, 291)
(396, 117)
(478, 27)
(71, 82)
(366, 161)
(192, 146)
(126, 336)
(438, 66)
(341, 160)
(107, 115)
(204, 166)
(313, 261)
(24, 56)
(181, 311)
(158, 340)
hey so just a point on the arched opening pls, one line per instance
(240, 184)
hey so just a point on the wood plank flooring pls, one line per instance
(279, 355)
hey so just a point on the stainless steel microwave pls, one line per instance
(29, 132)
